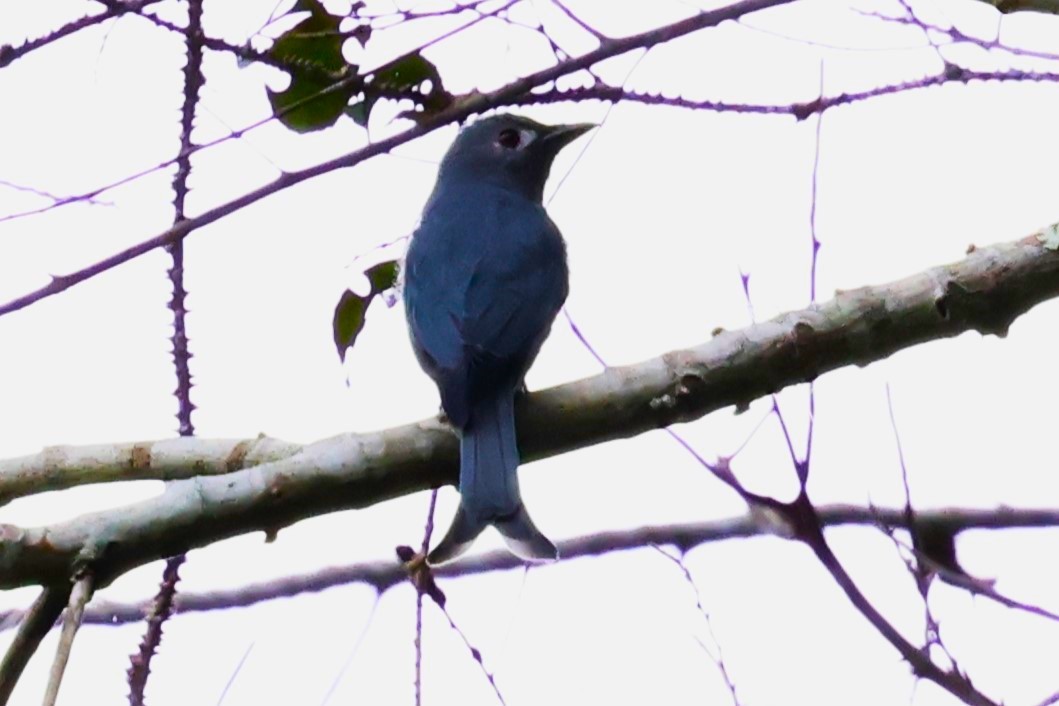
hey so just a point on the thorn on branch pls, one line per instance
(977, 308)
(161, 609)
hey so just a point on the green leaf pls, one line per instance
(382, 276)
(349, 320)
(312, 50)
(323, 82)
(352, 308)
(413, 78)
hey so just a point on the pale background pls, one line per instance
(662, 210)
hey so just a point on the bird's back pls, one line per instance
(485, 275)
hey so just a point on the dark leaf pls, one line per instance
(349, 320)
(412, 78)
(352, 307)
(312, 50)
(382, 276)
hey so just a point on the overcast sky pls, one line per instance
(663, 209)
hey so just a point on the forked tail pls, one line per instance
(489, 493)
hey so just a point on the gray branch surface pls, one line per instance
(984, 292)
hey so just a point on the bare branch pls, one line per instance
(804, 522)
(9, 53)
(578, 21)
(984, 292)
(475, 653)
(193, 82)
(342, 79)
(717, 659)
(36, 622)
(801, 111)
(161, 609)
(1053, 699)
(958, 36)
(953, 682)
(384, 575)
(459, 111)
(60, 467)
(75, 609)
(428, 531)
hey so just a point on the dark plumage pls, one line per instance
(484, 277)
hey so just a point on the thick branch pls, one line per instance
(61, 467)
(984, 292)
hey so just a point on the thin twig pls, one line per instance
(805, 525)
(579, 22)
(800, 110)
(383, 575)
(460, 110)
(352, 652)
(428, 530)
(812, 206)
(342, 82)
(718, 659)
(1053, 699)
(476, 654)
(235, 673)
(955, 683)
(194, 80)
(957, 36)
(36, 622)
(9, 53)
(161, 608)
(75, 609)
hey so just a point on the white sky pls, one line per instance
(662, 210)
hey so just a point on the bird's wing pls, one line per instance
(516, 289)
(482, 287)
(508, 320)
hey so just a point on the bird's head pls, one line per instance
(510, 151)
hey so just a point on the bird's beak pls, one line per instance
(560, 136)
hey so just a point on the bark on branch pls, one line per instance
(984, 292)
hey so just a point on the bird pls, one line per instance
(484, 277)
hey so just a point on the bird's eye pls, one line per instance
(509, 139)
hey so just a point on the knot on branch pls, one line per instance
(986, 312)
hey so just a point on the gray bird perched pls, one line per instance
(484, 277)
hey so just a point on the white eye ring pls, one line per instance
(512, 139)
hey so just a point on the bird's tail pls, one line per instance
(489, 493)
